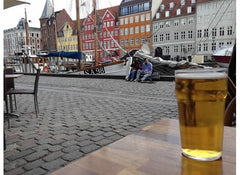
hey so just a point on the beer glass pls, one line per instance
(201, 95)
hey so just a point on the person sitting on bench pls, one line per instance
(146, 70)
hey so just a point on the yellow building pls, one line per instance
(67, 37)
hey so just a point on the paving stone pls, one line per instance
(103, 142)
(96, 133)
(37, 171)
(33, 165)
(55, 148)
(36, 155)
(57, 142)
(108, 134)
(53, 156)
(70, 148)
(14, 164)
(97, 138)
(15, 171)
(20, 154)
(69, 143)
(72, 155)
(85, 143)
(53, 165)
(89, 148)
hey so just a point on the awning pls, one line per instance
(11, 3)
(74, 55)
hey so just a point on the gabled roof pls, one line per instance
(173, 11)
(47, 11)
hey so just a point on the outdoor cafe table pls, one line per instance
(155, 150)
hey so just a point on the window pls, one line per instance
(213, 46)
(126, 42)
(175, 48)
(199, 33)
(205, 47)
(112, 23)
(126, 31)
(168, 24)
(178, 11)
(193, 1)
(162, 7)
(190, 47)
(189, 10)
(221, 32)
(161, 37)
(122, 42)
(131, 20)
(126, 20)
(229, 30)
(190, 20)
(137, 29)
(142, 40)
(214, 32)
(155, 26)
(122, 32)
(121, 21)
(166, 13)
(131, 30)
(176, 22)
(148, 28)
(183, 35)
(205, 33)
(108, 24)
(176, 36)
(131, 41)
(221, 44)
(229, 43)
(147, 16)
(155, 38)
(146, 6)
(143, 17)
(199, 47)
(171, 5)
(167, 36)
(137, 41)
(157, 15)
(183, 21)
(136, 18)
(182, 2)
(142, 28)
(161, 25)
(167, 50)
(190, 34)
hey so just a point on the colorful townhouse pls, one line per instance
(174, 29)
(107, 26)
(135, 23)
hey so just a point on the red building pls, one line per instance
(107, 22)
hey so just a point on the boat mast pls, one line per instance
(55, 24)
(26, 28)
(95, 31)
(79, 39)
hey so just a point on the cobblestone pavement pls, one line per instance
(78, 116)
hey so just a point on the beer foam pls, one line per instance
(201, 75)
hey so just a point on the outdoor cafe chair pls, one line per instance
(33, 92)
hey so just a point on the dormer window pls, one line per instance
(178, 11)
(171, 5)
(162, 7)
(189, 10)
(182, 3)
(167, 14)
(157, 15)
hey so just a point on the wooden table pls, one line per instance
(155, 150)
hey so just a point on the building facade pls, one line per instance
(50, 23)
(215, 27)
(174, 28)
(15, 39)
(134, 23)
(107, 24)
(67, 37)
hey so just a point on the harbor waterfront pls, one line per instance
(78, 116)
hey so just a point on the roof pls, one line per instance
(133, 2)
(173, 11)
(47, 11)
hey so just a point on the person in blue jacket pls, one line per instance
(146, 70)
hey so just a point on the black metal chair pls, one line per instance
(33, 92)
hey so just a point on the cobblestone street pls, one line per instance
(78, 116)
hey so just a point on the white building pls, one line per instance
(15, 39)
(215, 27)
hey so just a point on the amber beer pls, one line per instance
(201, 98)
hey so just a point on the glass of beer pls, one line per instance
(201, 95)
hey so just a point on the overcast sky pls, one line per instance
(35, 9)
